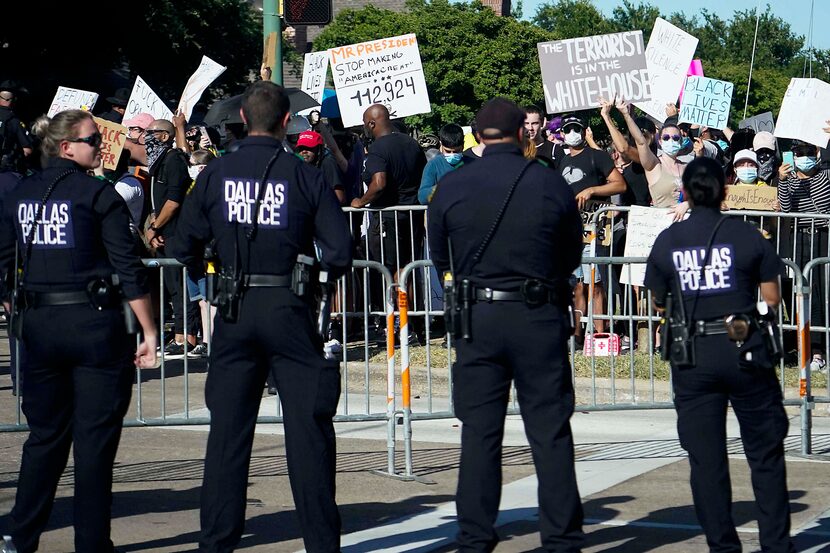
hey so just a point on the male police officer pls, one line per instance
(264, 206)
(514, 280)
(722, 352)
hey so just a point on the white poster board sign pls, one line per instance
(386, 71)
(706, 102)
(644, 225)
(198, 82)
(759, 123)
(144, 100)
(805, 111)
(668, 55)
(315, 72)
(72, 98)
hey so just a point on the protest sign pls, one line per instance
(386, 71)
(269, 53)
(668, 55)
(196, 85)
(706, 102)
(805, 111)
(144, 100)
(644, 225)
(759, 123)
(112, 135)
(72, 98)
(577, 72)
(749, 196)
(315, 72)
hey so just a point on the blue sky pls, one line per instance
(795, 12)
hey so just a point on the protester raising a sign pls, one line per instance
(668, 57)
(577, 72)
(207, 72)
(804, 112)
(315, 71)
(112, 142)
(144, 100)
(750, 196)
(72, 98)
(386, 71)
(706, 102)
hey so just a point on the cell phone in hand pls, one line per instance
(788, 159)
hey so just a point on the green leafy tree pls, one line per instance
(628, 17)
(572, 19)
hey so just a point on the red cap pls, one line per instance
(309, 139)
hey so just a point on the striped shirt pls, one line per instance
(810, 195)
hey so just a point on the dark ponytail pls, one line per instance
(704, 182)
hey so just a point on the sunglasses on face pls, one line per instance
(93, 140)
(572, 128)
(675, 137)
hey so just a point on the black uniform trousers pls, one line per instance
(702, 394)
(511, 341)
(274, 332)
(79, 376)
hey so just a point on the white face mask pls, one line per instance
(194, 171)
(573, 138)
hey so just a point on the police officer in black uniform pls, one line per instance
(514, 296)
(15, 142)
(264, 326)
(706, 272)
(73, 235)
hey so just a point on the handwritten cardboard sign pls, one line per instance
(668, 59)
(386, 71)
(113, 136)
(804, 112)
(315, 72)
(706, 102)
(144, 100)
(269, 53)
(577, 72)
(644, 225)
(748, 196)
(206, 73)
(72, 98)
(759, 123)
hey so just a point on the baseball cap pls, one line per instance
(309, 139)
(745, 155)
(499, 118)
(573, 120)
(142, 121)
(763, 139)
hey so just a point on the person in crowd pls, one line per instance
(451, 138)
(535, 130)
(804, 188)
(269, 329)
(80, 359)
(716, 366)
(118, 105)
(766, 147)
(136, 135)
(626, 145)
(311, 149)
(520, 295)
(593, 180)
(168, 167)
(475, 151)
(15, 142)
(745, 165)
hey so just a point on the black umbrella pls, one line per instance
(227, 109)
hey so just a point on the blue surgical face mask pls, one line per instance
(453, 159)
(747, 175)
(724, 145)
(805, 164)
(670, 147)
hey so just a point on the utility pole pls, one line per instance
(272, 23)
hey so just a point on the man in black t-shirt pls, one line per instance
(593, 179)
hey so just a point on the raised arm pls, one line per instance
(647, 158)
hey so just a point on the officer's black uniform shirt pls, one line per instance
(401, 158)
(84, 233)
(12, 128)
(297, 206)
(740, 261)
(539, 237)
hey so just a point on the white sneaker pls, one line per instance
(818, 364)
(7, 545)
(332, 349)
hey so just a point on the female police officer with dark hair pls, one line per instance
(79, 268)
(706, 272)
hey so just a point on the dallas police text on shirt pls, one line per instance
(241, 195)
(716, 277)
(54, 228)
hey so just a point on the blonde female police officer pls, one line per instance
(72, 231)
(715, 265)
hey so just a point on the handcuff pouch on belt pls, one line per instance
(757, 337)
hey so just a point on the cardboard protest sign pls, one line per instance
(269, 53)
(749, 196)
(759, 123)
(804, 112)
(315, 72)
(144, 100)
(386, 71)
(644, 225)
(72, 98)
(577, 72)
(668, 58)
(113, 136)
(198, 82)
(706, 102)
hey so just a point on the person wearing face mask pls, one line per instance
(746, 168)
(451, 141)
(764, 146)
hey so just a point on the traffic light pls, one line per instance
(307, 12)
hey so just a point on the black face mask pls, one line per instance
(766, 169)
